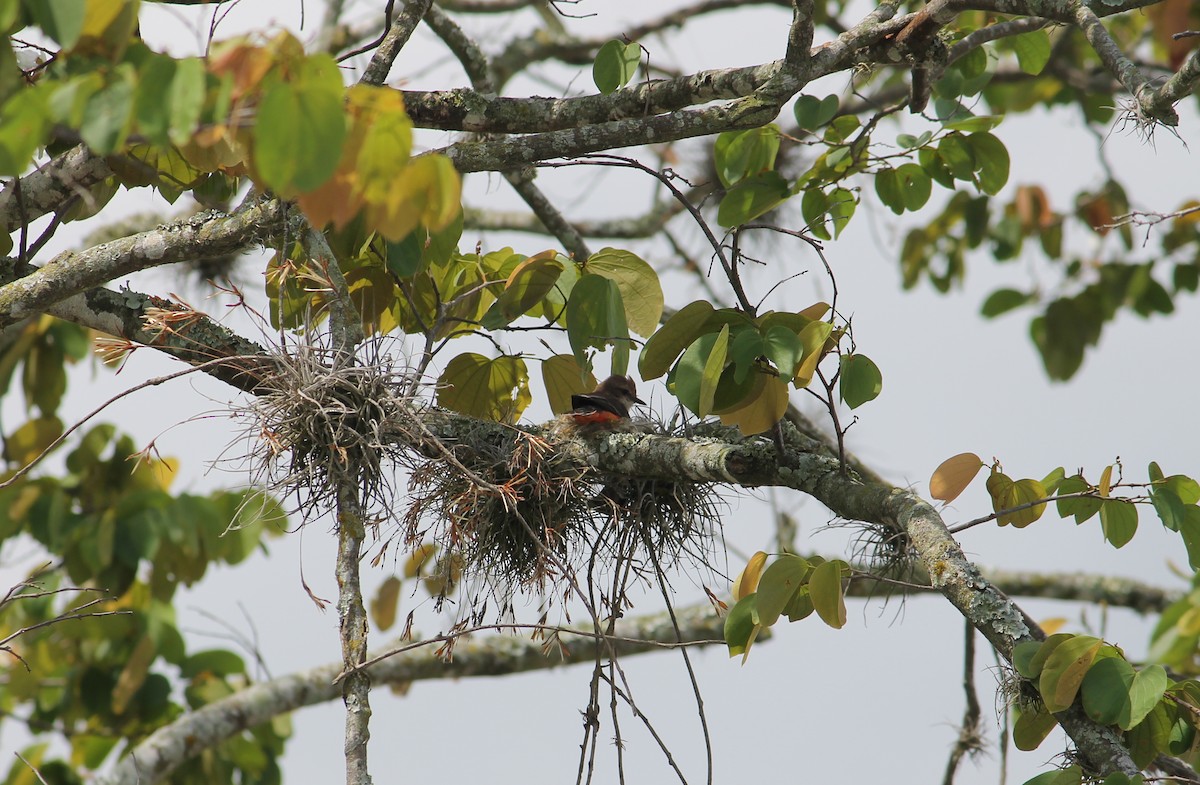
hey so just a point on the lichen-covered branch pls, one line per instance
(469, 110)
(154, 759)
(807, 466)
(202, 236)
(394, 39)
(1126, 71)
(506, 154)
(45, 189)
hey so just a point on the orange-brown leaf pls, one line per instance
(953, 476)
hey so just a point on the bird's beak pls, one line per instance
(638, 400)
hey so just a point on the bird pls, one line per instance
(609, 402)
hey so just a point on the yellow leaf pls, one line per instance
(815, 311)
(747, 581)
(812, 338)
(563, 378)
(385, 602)
(108, 27)
(488, 389)
(417, 560)
(383, 135)
(953, 476)
(763, 408)
(163, 471)
(1106, 481)
(1051, 626)
(427, 191)
(133, 675)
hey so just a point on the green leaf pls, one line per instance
(1003, 301)
(689, 373)
(1106, 690)
(753, 197)
(992, 161)
(958, 156)
(678, 333)
(841, 208)
(1169, 506)
(300, 129)
(910, 142)
(1033, 51)
(779, 585)
(641, 291)
(490, 389)
(1023, 658)
(861, 380)
(784, 349)
(1189, 528)
(217, 662)
(27, 442)
(1007, 495)
(615, 65)
(1187, 489)
(741, 154)
(24, 121)
(62, 20)
(710, 377)
(186, 100)
(887, 188)
(595, 317)
(741, 626)
(404, 258)
(825, 589)
(526, 286)
(812, 112)
(1144, 694)
(1031, 727)
(1150, 737)
(915, 185)
(1118, 519)
(151, 106)
(974, 124)
(744, 350)
(813, 206)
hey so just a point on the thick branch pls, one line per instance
(199, 237)
(47, 188)
(468, 110)
(155, 758)
(506, 154)
(808, 467)
(394, 39)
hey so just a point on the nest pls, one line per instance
(520, 517)
(324, 426)
(501, 506)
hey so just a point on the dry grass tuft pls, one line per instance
(324, 425)
(499, 505)
(521, 518)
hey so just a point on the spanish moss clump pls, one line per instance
(519, 517)
(323, 425)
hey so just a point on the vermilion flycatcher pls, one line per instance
(610, 401)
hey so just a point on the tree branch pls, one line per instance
(199, 237)
(805, 465)
(155, 758)
(394, 39)
(45, 189)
